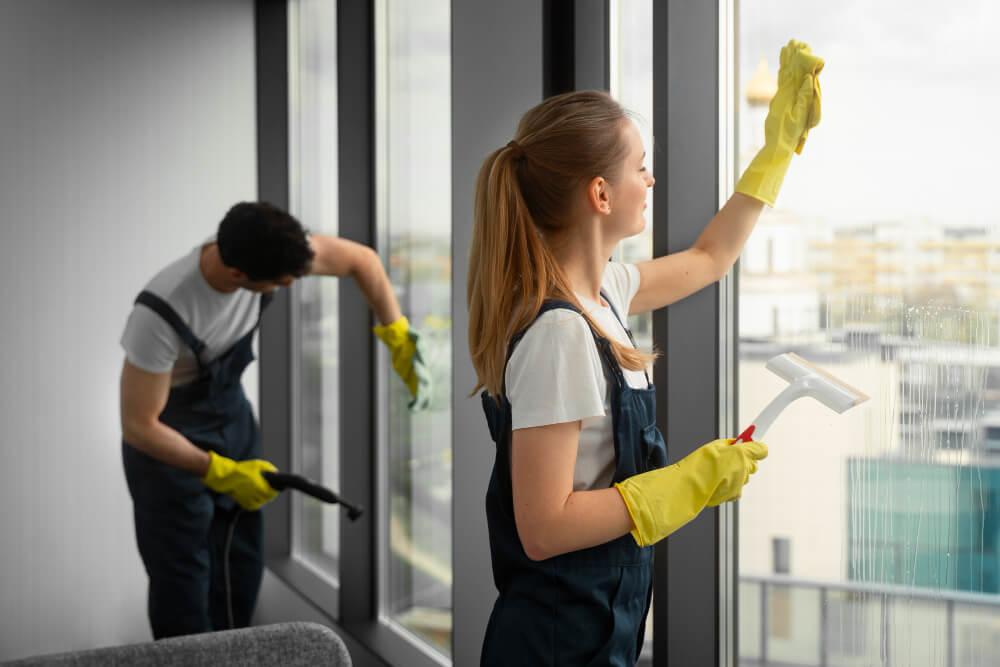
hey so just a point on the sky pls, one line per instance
(909, 94)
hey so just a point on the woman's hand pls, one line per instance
(794, 110)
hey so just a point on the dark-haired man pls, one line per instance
(190, 438)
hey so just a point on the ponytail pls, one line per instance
(512, 271)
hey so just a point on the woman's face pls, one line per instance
(629, 190)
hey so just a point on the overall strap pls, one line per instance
(247, 338)
(628, 331)
(170, 316)
(614, 311)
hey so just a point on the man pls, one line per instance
(190, 438)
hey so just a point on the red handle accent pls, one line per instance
(746, 435)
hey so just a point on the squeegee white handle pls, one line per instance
(759, 427)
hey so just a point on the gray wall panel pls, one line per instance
(356, 190)
(591, 44)
(126, 131)
(685, 100)
(497, 75)
(278, 329)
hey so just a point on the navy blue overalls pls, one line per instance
(586, 607)
(181, 526)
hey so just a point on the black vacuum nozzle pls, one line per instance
(284, 480)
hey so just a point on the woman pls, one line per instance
(579, 491)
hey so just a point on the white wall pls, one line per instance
(126, 130)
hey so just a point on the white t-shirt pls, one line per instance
(218, 319)
(555, 375)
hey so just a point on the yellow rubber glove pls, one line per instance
(661, 501)
(795, 109)
(407, 357)
(812, 65)
(240, 480)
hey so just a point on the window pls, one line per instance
(313, 191)
(631, 69)
(782, 555)
(413, 154)
(631, 59)
(879, 264)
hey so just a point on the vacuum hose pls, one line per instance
(280, 481)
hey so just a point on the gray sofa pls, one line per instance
(290, 644)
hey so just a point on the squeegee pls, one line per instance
(805, 379)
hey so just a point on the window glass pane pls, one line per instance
(631, 65)
(631, 62)
(871, 537)
(414, 228)
(313, 190)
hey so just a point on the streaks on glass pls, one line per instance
(922, 489)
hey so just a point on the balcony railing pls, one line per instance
(790, 622)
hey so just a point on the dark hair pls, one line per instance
(263, 242)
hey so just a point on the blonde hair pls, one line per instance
(523, 193)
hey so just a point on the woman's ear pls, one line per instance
(599, 195)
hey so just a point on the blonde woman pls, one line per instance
(580, 490)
